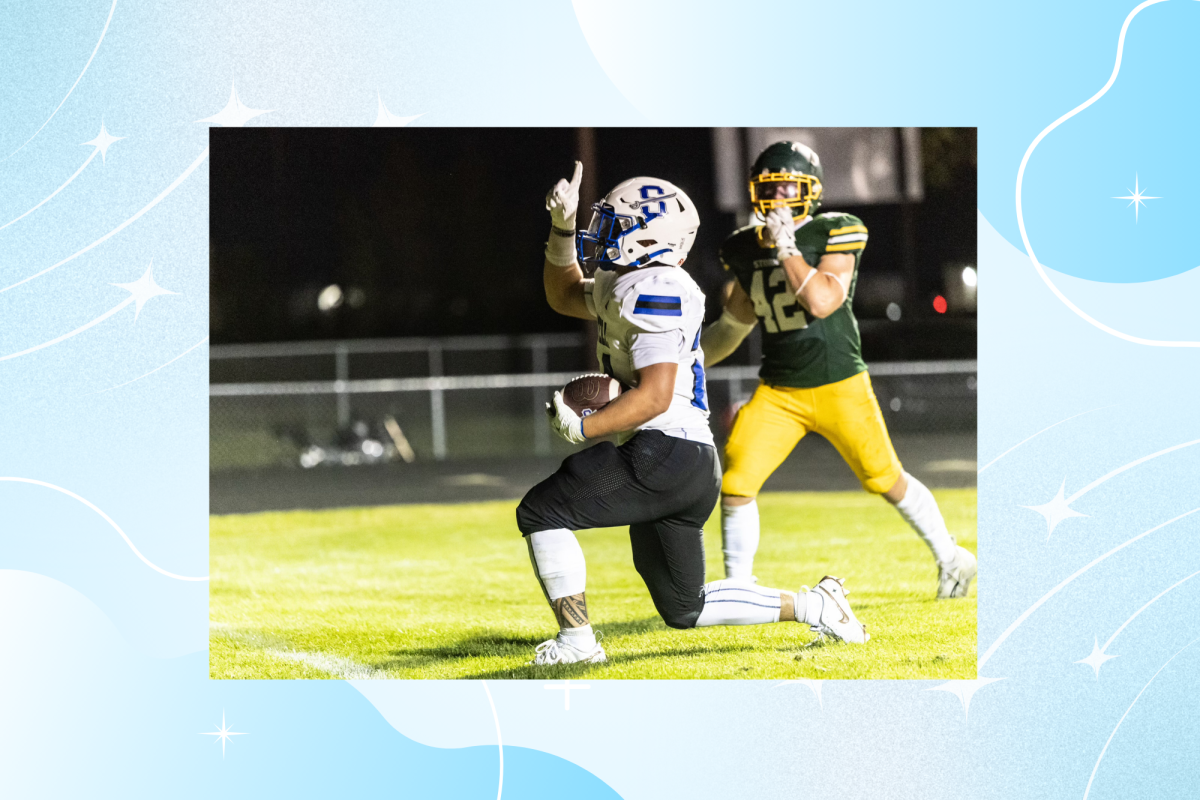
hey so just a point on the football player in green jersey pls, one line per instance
(796, 276)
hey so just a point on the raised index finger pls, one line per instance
(578, 176)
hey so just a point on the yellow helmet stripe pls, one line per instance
(849, 229)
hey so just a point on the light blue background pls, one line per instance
(103, 659)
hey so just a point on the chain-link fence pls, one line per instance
(306, 405)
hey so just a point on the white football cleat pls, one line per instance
(554, 651)
(954, 579)
(837, 620)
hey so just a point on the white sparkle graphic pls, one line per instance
(813, 685)
(223, 733)
(386, 119)
(161, 195)
(1136, 198)
(140, 291)
(143, 289)
(1056, 510)
(1099, 654)
(567, 686)
(964, 691)
(103, 141)
(235, 114)
(107, 22)
(1097, 658)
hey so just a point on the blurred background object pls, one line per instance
(381, 335)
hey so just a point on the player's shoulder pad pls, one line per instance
(842, 232)
(662, 300)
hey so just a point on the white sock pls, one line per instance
(814, 604)
(583, 638)
(738, 602)
(920, 510)
(558, 562)
(739, 538)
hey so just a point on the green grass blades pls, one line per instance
(447, 591)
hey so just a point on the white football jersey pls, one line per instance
(650, 316)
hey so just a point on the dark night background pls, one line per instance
(439, 232)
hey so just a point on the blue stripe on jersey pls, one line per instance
(696, 343)
(658, 305)
(698, 385)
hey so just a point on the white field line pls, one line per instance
(335, 665)
(1021, 217)
(107, 22)
(341, 667)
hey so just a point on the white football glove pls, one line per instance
(563, 421)
(782, 232)
(563, 201)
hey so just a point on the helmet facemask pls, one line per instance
(601, 244)
(795, 190)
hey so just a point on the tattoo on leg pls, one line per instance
(571, 611)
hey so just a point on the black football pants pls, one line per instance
(663, 487)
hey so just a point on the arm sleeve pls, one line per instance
(720, 339)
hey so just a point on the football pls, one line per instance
(589, 393)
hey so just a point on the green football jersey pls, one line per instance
(800, 350)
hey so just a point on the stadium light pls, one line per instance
(330, 297)
(969, 277)
(939, 304)
(893, 312)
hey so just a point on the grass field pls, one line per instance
(447, 591)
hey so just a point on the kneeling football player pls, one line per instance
(664, 477)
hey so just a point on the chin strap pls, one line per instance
(641, 262)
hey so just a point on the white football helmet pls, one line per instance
(642, 220)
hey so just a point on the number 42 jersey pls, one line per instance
(799, 350)
(650, 316)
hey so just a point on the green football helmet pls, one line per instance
(786, 174)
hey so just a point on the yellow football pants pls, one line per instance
(777, 418)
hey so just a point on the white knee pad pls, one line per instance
(558, 562)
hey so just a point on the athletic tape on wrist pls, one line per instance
(560, 250)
